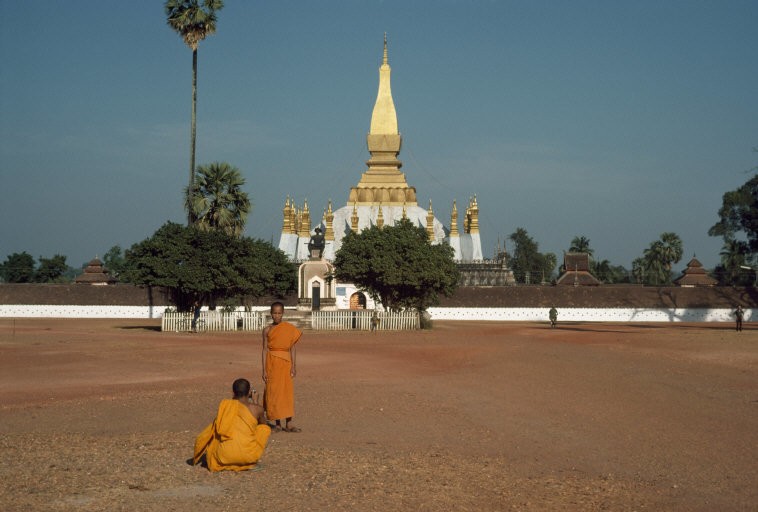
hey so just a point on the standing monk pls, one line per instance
(278, 363)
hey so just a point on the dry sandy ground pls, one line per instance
(101, 415)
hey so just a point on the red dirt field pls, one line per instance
(102, 414)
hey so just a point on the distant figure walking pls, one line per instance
(738, 314)
(553, 314)
(195, 314)
(374, 321)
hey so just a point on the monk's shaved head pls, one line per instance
(277, 305)
(241, 388)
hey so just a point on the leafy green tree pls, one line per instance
(18, 268)
(581, 244)
(209, 266)
(397, 265)
(528, 264)
(658, 259)
(52, 270)
(738, 217)
(734, 255)
(114, 260)
(638, 270)
(194, 22)
(217, 200)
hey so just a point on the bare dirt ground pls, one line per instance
(102, 414)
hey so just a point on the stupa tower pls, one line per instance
(382, 196)
(383, 183)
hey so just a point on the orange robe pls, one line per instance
(279, 399)
(234, 440)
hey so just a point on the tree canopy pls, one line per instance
(738, 226)
(654, 267)
(209, 266)
(216, 199)
(18, 268)
(528, 264)
(581, 244)
(21, 268)
(52, 270)
(738, 215)
(397, 265)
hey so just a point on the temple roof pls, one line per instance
(694, 275)
(95, 273)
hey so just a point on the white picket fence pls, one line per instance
(344, 320)
(214, 321)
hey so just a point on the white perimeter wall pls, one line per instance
(479, 314)
(589, 314)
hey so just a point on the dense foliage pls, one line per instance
(528, 264)
(209, 266)
(21, 268)
(654, 267)
(738, 226)
(216, 200)
(397, 265)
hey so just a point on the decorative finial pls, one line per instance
(384, 59)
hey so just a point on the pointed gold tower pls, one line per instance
(454, 221)
(383, 182)
(430, 222)
(328, 222)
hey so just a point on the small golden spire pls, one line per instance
(405, 212)
(430, 222)
(474, 226)
(454, 220)
(385, 60)
(329, 218)
(286, 216)
(354, 219)
(380, 218)
(305, 221)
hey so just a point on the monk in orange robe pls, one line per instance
(278, 362)
(235, 440)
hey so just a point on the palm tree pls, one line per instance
(660, 256)
(193, 22)
(581, 244)
(216, 199)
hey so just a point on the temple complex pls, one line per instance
(381, 197)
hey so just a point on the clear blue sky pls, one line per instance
(612, 120)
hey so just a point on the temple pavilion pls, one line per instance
(381, 197)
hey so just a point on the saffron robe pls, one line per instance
(234, 440)
(279, 397)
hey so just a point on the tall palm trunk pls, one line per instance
(190, 216)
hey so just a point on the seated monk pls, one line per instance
(235, 440)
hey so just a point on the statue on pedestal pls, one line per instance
(316, 245)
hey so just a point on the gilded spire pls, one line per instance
(384, 117)
(430, 222)
(384, 59)
(286, 214)
(380, 218)
(354, 219)
(329, 219)
(474, 226)
(454, 221)
(405, 212)
(305, 221)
